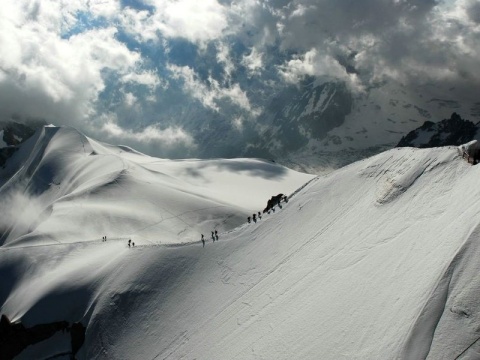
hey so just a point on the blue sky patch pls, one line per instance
(85, 21)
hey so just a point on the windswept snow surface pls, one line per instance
(378, 260)
(69, 188)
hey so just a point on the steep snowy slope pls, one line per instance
(69, 188)
(377, 260)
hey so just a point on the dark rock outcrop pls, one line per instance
(274, 201)
(6, 153)
(14, 134)
(15, 337)
(453, 131)
(77, 332)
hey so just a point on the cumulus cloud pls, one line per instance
(83, 63)
(212, 93)
(168, 137)
(223, 57)
(147, 78)
(170, 141)
(45, 74)
(140, 24)
(253, 62)
(196, 21)
(321, 65)
(362, 42)
(105, 8)
(130, 99)
(238, 123)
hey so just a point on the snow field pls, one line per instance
(377, 260)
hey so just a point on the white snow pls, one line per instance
(377, 260)
(81, 190)
(324, 102)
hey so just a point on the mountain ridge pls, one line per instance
(452, 131)
(354, 265)
(63, 167)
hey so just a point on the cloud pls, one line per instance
(306, 64)
(212, 93)
(140, 24)
(130, 99)
(84, 63)
(147, 78)
(21, 210)
(171, 141)
(473, 10)
(413, 42)
(256, 23)
(253, 62)
(223, 57)
(314, 64)
(196, 21)
(238, 123)
(44, 74)
(168, 137)
(105, 8)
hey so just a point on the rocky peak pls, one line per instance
(453, 131)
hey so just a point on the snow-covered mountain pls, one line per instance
(297, 115)
(318, 125)
(323, 124)
(452, 131)
(377, 260)
(67, 187)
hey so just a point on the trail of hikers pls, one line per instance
(271, 204)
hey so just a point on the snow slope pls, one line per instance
(377, 260)
(71, 188)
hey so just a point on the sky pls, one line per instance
(159, 74)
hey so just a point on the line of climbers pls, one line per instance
(214, 237)
(129, 243)
(274, 201)
(132, 244)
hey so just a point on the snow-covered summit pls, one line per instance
(377, 260)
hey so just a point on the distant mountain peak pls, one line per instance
(454, 131)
